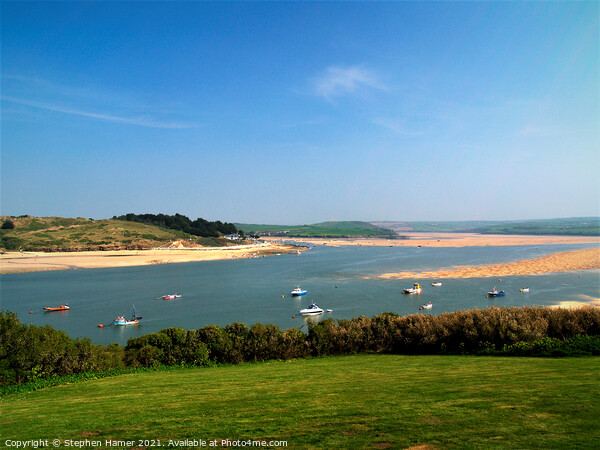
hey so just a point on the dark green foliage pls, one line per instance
(10, 242)
(8, 225)
(172, 346)
(198, 227)
(29, 353)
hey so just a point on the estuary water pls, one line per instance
(258, 290)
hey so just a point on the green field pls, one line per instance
(325, 229)
(66, 234)
(576, 226)
(364, 401)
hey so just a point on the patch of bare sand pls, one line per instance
(586, 259)
(18, 262)
(587, 301)
(415, 239)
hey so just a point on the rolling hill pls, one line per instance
(323, 229)
(575, 226)
(67, 234)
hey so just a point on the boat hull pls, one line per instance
(412, 291)
(312, 310)
(58, 308)
(496, 294)
(312, 313)
(298, 294)
(125, 322)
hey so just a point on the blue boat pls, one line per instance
(495, 293)
(297, 292)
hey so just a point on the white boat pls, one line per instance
(312, 310)
(416, 289)
(123, 321)
(525, 289)
(171, 296)
(426, 306)
(298, 291)
(135, 319)
(436, 284)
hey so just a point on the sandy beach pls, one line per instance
(17, 262)
(585, 259)
(414, 239)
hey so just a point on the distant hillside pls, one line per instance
(323, 229)
(66, 234)
(575, 226)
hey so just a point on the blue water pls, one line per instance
(250, 290)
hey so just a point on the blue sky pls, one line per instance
(301, 112)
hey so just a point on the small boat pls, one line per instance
(436, 284)
(525, 289)
(298, 291)
(135, 319)
(426, 306)
(171, 296)
(495, 293)
(416, 289)
(64, 307)
(312, 310)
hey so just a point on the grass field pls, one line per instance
(575, 226)
(329, 229)
(365, 401)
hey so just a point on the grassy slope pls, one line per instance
(577, 226)
(318, 229)
(353, 401)
(55, 233)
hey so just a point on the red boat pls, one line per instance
(57, 308)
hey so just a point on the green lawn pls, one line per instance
(366, 401)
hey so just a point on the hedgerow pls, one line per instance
(29, 353)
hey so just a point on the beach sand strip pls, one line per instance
(585, 259)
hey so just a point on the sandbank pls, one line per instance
(585, 259)
(587, 301)
(17, 262)
(418, 239)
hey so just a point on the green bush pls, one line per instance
(29, 353)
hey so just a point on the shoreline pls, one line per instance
(585, 259)
(23, 262)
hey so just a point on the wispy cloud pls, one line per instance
(140, 121)
(83, 102)
(338, 81)
(397, 126)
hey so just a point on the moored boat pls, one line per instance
(64, 307)
(525, 289)
(135, 319)
(436, 284)
(171, 296)
(298, 291)
(312, 310)
(416, 289)
(426, 306)
(495, 293)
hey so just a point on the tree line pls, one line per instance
(199, 227)
(29, 353)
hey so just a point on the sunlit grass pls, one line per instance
(353, 401)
